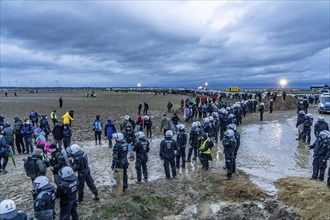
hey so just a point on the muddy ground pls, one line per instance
(193, 195)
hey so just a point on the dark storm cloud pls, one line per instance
(179, 44)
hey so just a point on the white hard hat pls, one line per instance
(8, 209)
(40, 182)
(232, 127)
(169, 133)
(229, 133)
(140, 135)
(73, 149)
(66, 173)
(118, 136)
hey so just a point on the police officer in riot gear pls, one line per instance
(119, 156)
(80, 165)
(141, 147)
(229, 144)
(181, 139)
(67, 192)
(205, 151)
(44, 199)
(168, 146)
(194, 140)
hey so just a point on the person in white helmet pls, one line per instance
(8, 211)
(320, 125)
(119, 156)
(168, 146)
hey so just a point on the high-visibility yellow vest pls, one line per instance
(53, 115)
(208, 151)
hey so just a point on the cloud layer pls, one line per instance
(165, 44)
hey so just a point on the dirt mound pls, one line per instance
(309, 198)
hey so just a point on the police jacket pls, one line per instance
(194, 135)
(229, 145)
(223, 120)
(300, 119)
(168, 146)
(45, 199)
(208, 127)
(141, 147)
(308, 122)
(119, 155)
(80, 162)
(181, 139)
(238, 139)
(57, 161)
(206, 146)
(67, 190)
(320, 147)
(320, 126)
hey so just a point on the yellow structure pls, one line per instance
(233, 89)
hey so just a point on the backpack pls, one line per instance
(98, 126)
(33, 114)
(30, 167)
(182, 139)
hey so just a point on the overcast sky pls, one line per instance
(165, 44)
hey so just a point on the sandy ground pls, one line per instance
(193, 195)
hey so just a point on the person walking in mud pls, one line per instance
(168, 146)
(80, 165)
(141, 147)
(27, 133)
(145, 108)
(165, 124)
(109, 130)
(271, 106)
(18, 136)
(308, 122)
(148, 125)
(97, 128)
(169, 107)
(321, 154)
(4, 148)
(262, 110)
(320, 125)
(205, 151)
(119, 157)
(60, 102)
(181, 139)
(139, 109)
(229, 144)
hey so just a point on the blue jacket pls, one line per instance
(3, 146)
(109, 129)
(27, 130)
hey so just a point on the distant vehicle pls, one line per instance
(324, 105)
(233, 89)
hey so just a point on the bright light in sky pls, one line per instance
(283, 82)
(139, 84)
(206, 84)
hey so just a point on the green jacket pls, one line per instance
(165, 123)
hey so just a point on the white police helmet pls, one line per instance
(309, 115)
(320, 118)
(140, 135)
(73, 149)
(194, 124)
(169, 133)
(229, 133)
(126, 117)
(232, 127)
(8, 209)
(211, 118)
(40, 182)
(301, 112)
(66, 173)
(324, 134)
(206, 120)
(118, 136)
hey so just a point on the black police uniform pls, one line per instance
(141, 147)
(168, 146)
